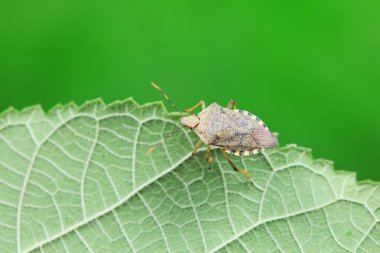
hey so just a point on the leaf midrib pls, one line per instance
(112, 207)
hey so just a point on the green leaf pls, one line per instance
(78, 180)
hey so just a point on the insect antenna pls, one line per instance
(167, 98)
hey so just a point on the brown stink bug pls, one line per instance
(235, 132)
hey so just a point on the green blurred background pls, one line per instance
(310, 69)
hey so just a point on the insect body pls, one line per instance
(235, 132)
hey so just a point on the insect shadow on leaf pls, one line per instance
(235, 132)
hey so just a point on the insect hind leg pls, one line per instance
(244, 172)
(231, 103)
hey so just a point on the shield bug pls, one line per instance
(235, 132)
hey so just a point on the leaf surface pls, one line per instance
(77, 180)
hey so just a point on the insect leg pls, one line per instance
(208, 156)
(195, 106)
(244, 172)
(162, 141)
(199, 143)
(231, 103)
(154, 147)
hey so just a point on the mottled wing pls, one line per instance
(242, 133)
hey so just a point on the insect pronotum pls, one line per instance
(235, 132)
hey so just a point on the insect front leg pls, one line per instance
(208, 156)
(199, 143)
(244, 172)
(154, 147)
(231, 103)
(197, 105)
